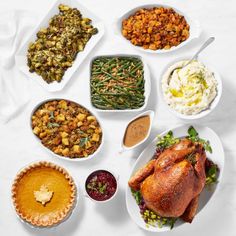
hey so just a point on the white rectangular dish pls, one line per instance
(147, 83)
(21, 58)
(195, 29)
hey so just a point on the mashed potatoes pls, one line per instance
(189, 90)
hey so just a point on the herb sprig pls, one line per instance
(193, 135)
(167, 140)
(137, 196)
(83, 141)
(211, 175)
(97, 186)
(52, 125)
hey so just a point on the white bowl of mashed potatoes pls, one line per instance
(190, 92)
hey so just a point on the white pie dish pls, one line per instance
(94, 155)
(70, 213)
(195, 29)
(179, 131)
(21, 56)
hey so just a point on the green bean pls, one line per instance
(126, 76)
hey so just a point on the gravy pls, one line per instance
(136, 131)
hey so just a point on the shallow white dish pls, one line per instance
(56, 155)
(21, 56)
(195, 29)
(204, 112)
(216, 156)
(150, 113)
(147, 84)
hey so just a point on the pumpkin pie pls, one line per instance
(43, 194)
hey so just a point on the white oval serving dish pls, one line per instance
(195, 29)
(149, 113)
(147, 84)
(21, 56)
(217, 156)
(63, 157)
(203, 113)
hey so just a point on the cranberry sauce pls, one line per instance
(101, 185)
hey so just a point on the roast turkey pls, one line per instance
(170, 184)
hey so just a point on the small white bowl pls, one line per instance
(63, 157)
(195, 29)
(150, 113)
(113, 196)
(147, 82)
(203, 113)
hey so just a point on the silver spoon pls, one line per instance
(207, 43)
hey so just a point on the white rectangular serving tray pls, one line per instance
(21, 58)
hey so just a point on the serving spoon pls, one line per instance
(195, 56)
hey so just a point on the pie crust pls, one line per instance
(55, 211)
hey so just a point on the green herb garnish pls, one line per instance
(102, 187)
(137, 195)
(172, 222)
(193, 135)
(83, 141)
(192, 158)
(167, 140)
(81, 132)
(91, 186)
(52, 125)
(211, 175)
(51, 115)
(98, 187)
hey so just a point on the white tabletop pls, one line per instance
(18, 147)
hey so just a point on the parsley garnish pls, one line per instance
(83, 141)
(137, 195)
(211, 175)
(52, 125)
(193, 135)
(167, 140)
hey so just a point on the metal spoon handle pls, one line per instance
(207, 43)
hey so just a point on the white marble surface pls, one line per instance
(18, 147)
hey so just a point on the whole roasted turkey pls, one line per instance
(170, 184)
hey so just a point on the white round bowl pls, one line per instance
(203, 113)
(112, 197)
(59, 156)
